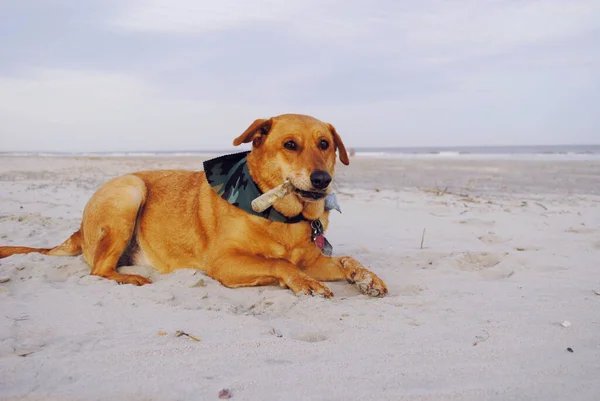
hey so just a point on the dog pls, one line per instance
(172, 219)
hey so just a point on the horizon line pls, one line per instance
(356, 148)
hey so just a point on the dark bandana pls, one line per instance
(228, 175)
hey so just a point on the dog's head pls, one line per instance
(299, 148)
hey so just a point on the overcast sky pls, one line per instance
(111, 75)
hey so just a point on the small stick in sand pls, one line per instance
(542, 206)
(180, 333)
(423, 238)
(481, 339)
(267, 199)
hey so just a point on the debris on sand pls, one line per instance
(275, 332)
(200, 283)
(480, 339)
(180, 333)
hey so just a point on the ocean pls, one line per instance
(548, 152)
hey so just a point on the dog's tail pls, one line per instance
(71, 247)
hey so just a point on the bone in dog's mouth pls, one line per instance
(310, 194)
(266, 200)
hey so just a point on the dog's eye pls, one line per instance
(324, 144)
(290, 145)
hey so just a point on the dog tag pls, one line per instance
(324, 245)
(317, 229)
(320, 241)
(327, 248)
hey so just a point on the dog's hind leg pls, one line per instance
(109, 221)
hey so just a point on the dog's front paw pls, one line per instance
(367, 282)
(308, 286)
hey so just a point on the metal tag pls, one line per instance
(319, 239)
(317, 229)
(327, 248)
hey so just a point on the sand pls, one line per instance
(511, 251)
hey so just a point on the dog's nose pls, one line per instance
(320, 179)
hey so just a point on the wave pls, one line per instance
(559, 152)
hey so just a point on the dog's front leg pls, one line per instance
(245, 270)
(345, 267)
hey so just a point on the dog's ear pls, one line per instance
(255, 132)
(339, 145)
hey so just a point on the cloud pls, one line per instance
(197, 17)
(58, 110)
(95, 111)
(491, 25)
(185, 74)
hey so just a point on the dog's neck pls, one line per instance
(290, 205)
(233, 178)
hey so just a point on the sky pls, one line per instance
(164, 75)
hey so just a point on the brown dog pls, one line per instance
(174, 219)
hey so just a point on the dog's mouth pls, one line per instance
(310, 195)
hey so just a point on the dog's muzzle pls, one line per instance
(319, 180)
(310, 194)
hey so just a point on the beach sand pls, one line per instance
(510, 252)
